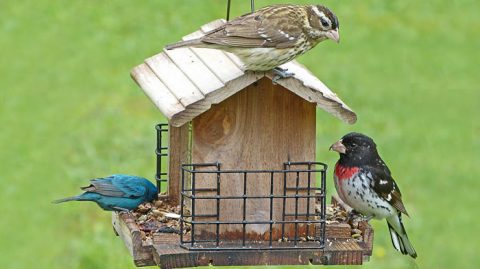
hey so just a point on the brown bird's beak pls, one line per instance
(338, 147)
(333, 35)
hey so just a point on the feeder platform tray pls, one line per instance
(342, 246)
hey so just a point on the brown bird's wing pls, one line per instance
(270, 27)
(384, 185)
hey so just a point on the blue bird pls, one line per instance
(116, 192)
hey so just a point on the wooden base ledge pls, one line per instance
(336, 252)
(164, 250)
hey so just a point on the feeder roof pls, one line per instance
(185, 82)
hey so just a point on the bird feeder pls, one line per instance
(242, 167)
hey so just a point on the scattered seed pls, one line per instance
(158, 203)
(356, 231)
(157, 213)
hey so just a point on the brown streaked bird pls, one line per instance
(271, 36)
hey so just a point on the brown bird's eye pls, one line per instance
(324, 22)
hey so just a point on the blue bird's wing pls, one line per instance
(132, 186)
(104, 186)
(117, 186)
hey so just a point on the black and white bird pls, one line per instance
(272, 35)
(364, 182)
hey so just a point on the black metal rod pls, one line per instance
(297, 181)
(228, 10)
(208, 189)
(308, 199)
(306, 163)
(159, 160)
(252, 248)
(217, 237)
(160, 152)
(182, 206)
(201, 241)
(271, 208)
(324, 209)
(249, 171)
(301, 215)
(285, 165)
(305, 188)
(252, 5)
(256, 222)
(200, 165)
(193, 210)
(202, 215)
(324, 165)
(252, 197)
(244, 225)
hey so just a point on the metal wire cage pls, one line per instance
(161, 176)
(295, 202)
(303, 228)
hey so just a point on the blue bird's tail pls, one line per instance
(68, 199)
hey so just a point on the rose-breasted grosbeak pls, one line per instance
(271, 36)
(363, 181)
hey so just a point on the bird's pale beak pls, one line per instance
(333, 35)
(338, 147)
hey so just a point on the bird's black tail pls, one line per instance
(68, 199)
(399, 236)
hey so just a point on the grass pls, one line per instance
(69, 112)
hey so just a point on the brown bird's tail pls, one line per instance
(187, 43)
(399, 236)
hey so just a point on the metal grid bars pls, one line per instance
(228, 213)
(162, 152)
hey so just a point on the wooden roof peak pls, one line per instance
(185, 82)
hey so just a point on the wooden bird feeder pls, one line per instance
(241, 162)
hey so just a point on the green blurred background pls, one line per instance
(70, 112)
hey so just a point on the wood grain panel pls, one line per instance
(261, 127)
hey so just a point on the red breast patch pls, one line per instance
(343, 172)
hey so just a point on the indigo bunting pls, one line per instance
(116, 192)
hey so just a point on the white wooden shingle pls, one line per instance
(157, 91)
(219, 63)
(203, 78)
(185, 82)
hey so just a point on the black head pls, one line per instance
(151, 190)
(356, 149)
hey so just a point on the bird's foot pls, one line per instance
(367, 218)
(354, 217)
(122, 210)
(281, 73)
